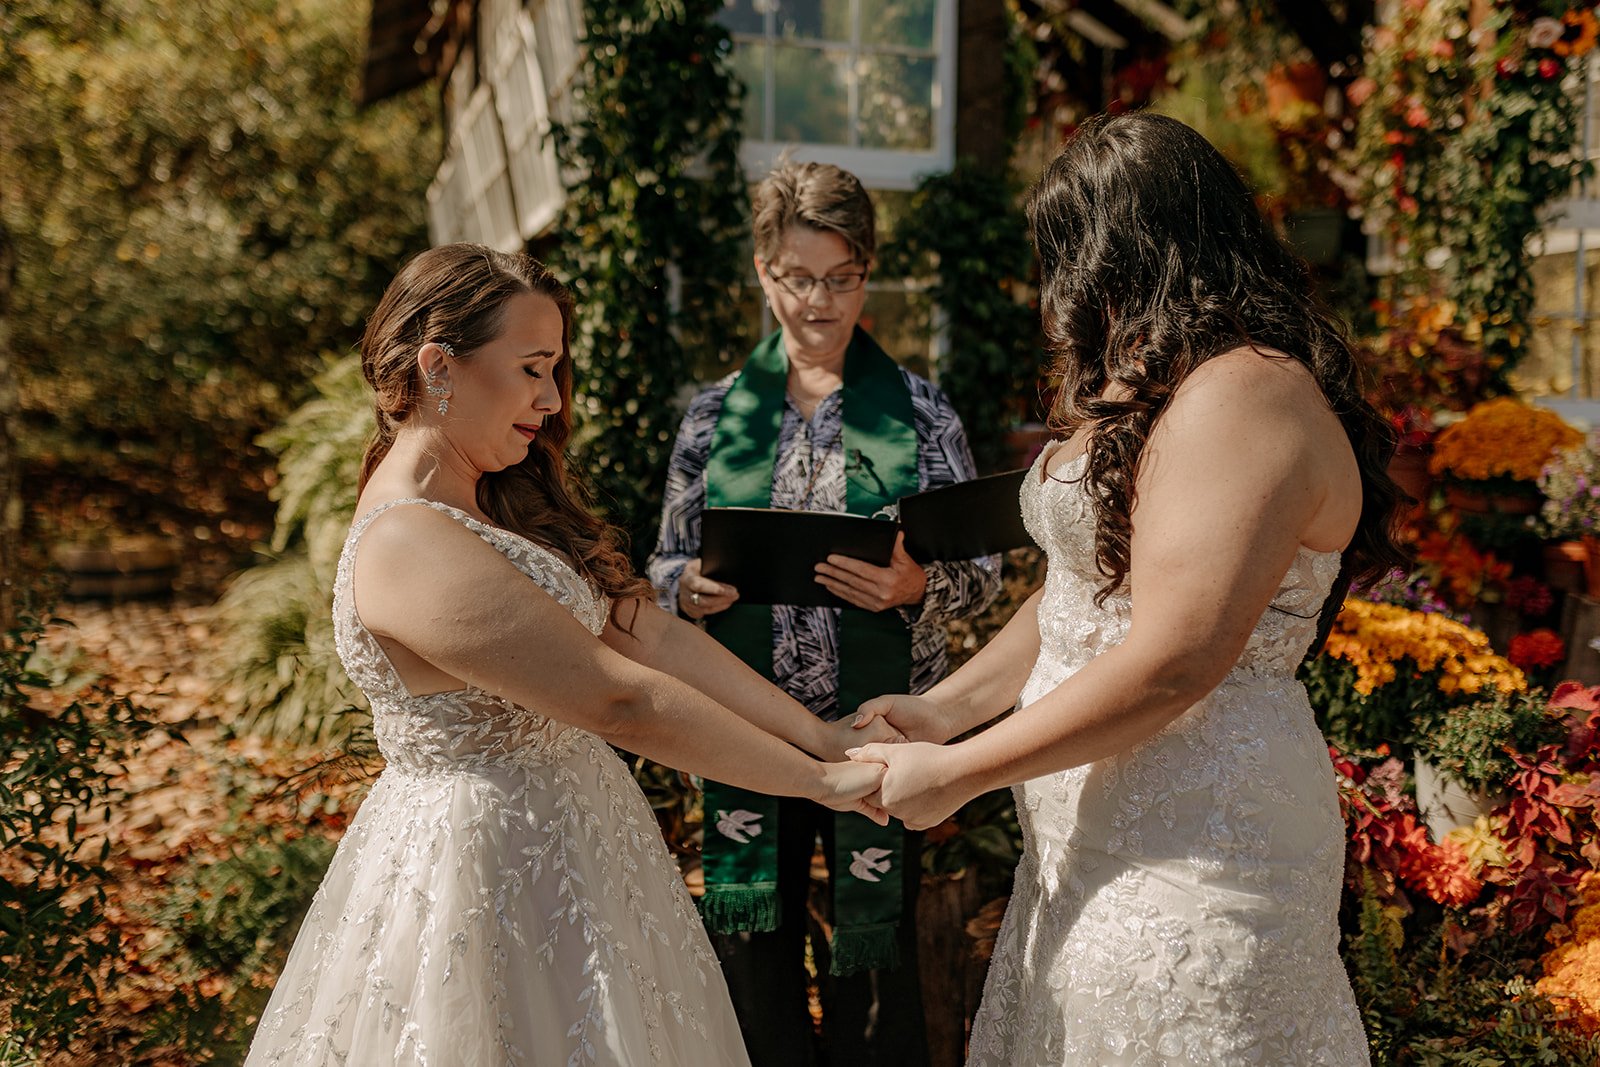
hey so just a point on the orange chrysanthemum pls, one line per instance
(1501, 438)
(1374, 638)
(1581, 31)
(1572, 968)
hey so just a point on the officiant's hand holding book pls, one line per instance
(772, 556)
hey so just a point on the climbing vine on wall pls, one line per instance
(966, 232)
(652, 235)
(1465, 131)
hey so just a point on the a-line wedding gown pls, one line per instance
(503, 896)
(1176, 903)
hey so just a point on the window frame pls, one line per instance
(895, 169)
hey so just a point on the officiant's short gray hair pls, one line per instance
(819, 195)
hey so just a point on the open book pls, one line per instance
(770, 555)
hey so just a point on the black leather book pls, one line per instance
(968, 519)
(770, 555)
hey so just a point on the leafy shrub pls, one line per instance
(279, 660)
(1469, 743)
(200, 206)
(57, 765)
(1424, 1000)
(966, 231)
(233, 918)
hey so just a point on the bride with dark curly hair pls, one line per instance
(1220, 483)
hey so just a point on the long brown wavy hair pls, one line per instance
(1153, 259)
(456, 294)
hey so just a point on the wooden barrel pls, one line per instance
(120, 570)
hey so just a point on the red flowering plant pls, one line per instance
(1529, 597)
(1462, 573)
(1422, 364)
(1388, 847)
(1464, 132)
(1537, 652)
(1521, 864)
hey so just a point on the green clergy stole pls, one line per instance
(741, 831)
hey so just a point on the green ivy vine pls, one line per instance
(652, 235)
(1465, 131)
(965, 231)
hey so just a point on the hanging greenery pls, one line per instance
(965, 231)
(652, 235)
(1465, 131)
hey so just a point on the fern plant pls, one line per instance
(278, 662)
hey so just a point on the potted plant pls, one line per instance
(1386, 668)
(1463, 754)
(1570, 485)
(1491, 459)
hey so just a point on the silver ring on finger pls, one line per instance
(694, 598)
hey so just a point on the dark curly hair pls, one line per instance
(1154, 258)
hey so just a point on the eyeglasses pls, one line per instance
(801, 284)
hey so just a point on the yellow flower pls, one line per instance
(1501, 438)
(1374, 638)
(1579, 33)
(1481, 844)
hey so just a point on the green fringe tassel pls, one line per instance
(737, 909)
(864, 948)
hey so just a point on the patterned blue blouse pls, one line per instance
(805, 654)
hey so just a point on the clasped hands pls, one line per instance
(919, 785)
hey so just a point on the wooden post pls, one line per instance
(981, 96)
(10, 464)
(1580, 624)
(944, 956)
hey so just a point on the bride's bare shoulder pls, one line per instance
(1250, 404)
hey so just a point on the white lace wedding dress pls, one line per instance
(1176, 903)
(503, 896)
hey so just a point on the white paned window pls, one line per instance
(458, 89)
(520, 102)
(470, 197)
(1561, 367)
(445, 210)
(866, 84)
(558, 35)
(498, 34)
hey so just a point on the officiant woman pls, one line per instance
(820, 418)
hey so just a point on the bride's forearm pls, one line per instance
(1119, 699)
(680, 649)
(990, 682)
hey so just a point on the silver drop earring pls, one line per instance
(435, 387)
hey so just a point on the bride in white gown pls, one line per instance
(503, 896)
(1178, 895)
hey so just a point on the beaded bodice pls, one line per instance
(1073, 629)
(444, 731)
